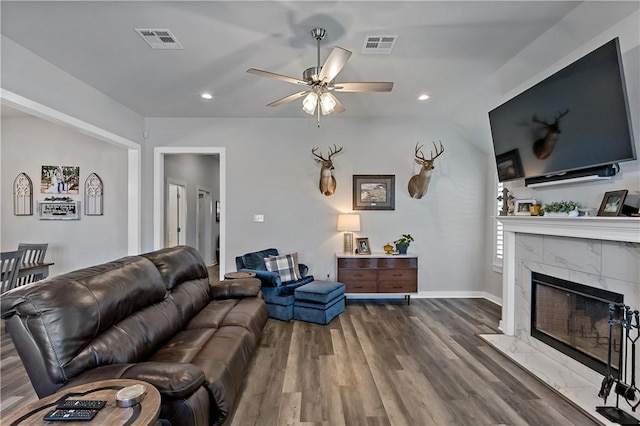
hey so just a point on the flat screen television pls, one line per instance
(576, 119)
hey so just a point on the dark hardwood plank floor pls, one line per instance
(379, 363)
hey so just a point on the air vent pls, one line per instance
(159, 39)
(379, 44)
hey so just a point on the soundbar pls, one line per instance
(574, 176)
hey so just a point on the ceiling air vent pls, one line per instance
(379, 44)
(159, 39)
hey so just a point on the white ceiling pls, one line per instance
(443, 49)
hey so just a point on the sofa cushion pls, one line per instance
(178, 264)
(255, 260)
(286, 266)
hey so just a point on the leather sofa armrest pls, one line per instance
(236, 289)
(172, 379)
(268, 279)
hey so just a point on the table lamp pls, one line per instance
(349, 223)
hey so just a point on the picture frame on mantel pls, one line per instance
(612, 203)
(374, 192)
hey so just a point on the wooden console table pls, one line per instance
(378, 273)
(142, 414)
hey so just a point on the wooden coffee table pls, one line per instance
(143, 414)
(238, 275)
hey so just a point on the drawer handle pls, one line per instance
(357, 275)
(358, 286)
(397, 286)
(398, 275)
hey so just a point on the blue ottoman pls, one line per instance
(318, 302)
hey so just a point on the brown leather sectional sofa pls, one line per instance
(152, 317)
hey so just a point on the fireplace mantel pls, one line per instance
(623, 229)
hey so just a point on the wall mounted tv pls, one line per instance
(574, 123)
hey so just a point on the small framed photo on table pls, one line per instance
(612, 203)
(362, 244)
(523, 207)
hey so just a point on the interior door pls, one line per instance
(204, 225)
(176, 215)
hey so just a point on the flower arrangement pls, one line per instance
(560, 207)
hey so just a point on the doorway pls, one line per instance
(176, 223)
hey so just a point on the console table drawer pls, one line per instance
(360, 287)
(366, 263)
(398, 263)
(352, 275)
(398, 275)
(397, 287)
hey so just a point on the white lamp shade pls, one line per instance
(309, 103)
(327, 103)
(349, 222)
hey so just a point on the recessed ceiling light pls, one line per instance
(423, 97)
(206, 96)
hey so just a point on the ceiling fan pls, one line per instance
(319, 82)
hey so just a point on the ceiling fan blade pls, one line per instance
(276, 76)
(288, 99)
(334, 63)
(378, 86)
(339, 107)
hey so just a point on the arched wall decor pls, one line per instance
(93, 199)
(22, 195)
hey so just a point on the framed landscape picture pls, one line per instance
(374, 192)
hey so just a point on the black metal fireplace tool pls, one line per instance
(629, 322)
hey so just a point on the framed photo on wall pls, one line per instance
(60, 180)
(374, 192)
(59, 210)
(612, 203)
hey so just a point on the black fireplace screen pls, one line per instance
(574, 319)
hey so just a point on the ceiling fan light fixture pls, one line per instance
(310, 102)
(327, 103)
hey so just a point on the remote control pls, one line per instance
(82, 404)
(70, 415)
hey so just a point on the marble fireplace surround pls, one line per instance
(602, 252)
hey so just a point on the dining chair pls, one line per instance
(10, 262)
(33, 253)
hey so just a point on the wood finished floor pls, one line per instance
(386, 363)
(379, 363)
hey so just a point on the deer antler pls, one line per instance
(437, 153)
(419, 150)
(313, 151)
(561, 114)
(557, 119)
(334, 151)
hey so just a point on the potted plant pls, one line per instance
(402, 243)
(561, 208)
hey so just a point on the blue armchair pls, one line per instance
(277, 294)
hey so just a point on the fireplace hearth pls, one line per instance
(574, 319)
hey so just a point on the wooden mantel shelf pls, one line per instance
(620, 228)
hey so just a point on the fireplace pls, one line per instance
(574, 319)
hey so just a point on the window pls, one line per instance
(499, 241)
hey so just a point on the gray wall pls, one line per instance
(29, 143)
(270, 170)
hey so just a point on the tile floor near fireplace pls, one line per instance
(598, 252)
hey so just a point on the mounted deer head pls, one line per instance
(544, 146)
(327, 181)
(419, 183)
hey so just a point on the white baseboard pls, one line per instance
(432, 295)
